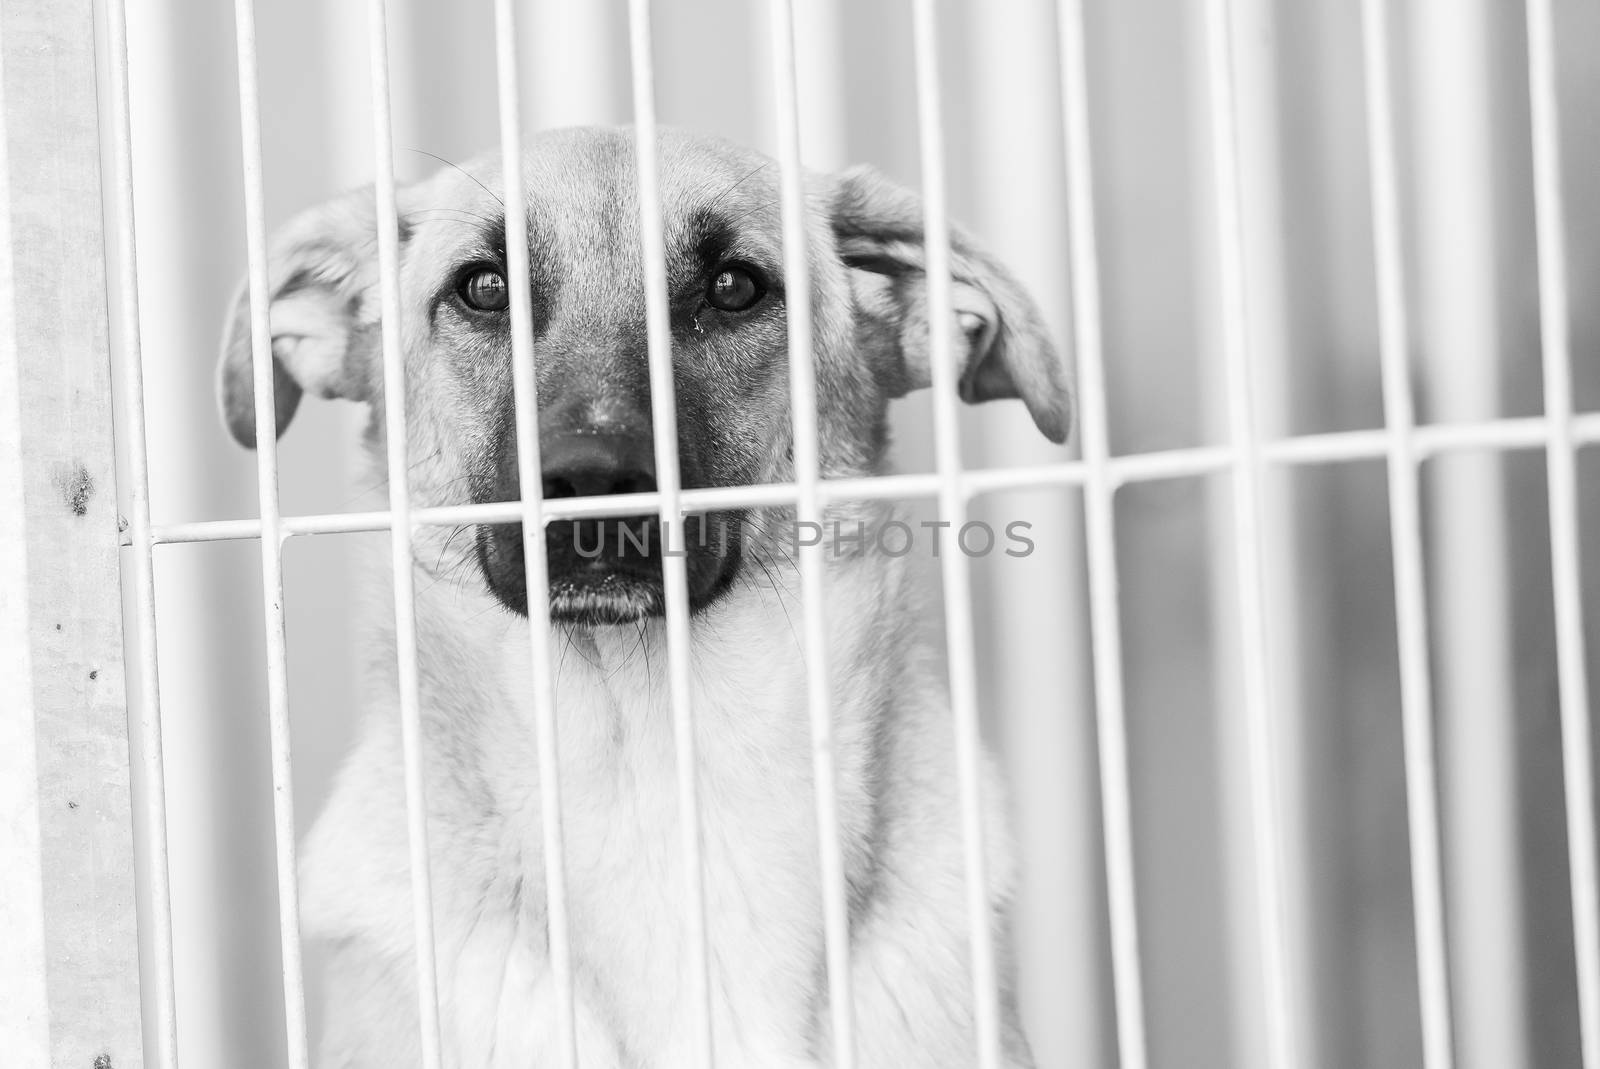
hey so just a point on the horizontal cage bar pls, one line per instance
(1333, 448)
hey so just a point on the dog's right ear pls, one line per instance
(322, 269)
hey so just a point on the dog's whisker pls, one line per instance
(772, 581)
(440, 569)
(450, 209)
(642, 649)
(561, 661)
(455, 532)
(720, 197)
(458, 167)
(384, 479)
(788, 558)
(644, 644)
(748, 212)
(572, 643)
(463, 217)
(453, 481)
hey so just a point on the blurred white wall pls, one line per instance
(1464, 122)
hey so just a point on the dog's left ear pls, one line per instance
(1000, 339)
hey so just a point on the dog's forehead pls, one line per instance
(592, 174)
(582, 193)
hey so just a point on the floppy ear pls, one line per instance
(1000, 339)
(322, 269)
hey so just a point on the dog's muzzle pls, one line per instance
(603, 570)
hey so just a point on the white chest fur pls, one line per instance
(630, 921)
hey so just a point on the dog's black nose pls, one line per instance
(601, 570)
(594, 465)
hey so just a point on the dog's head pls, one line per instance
(730, 363)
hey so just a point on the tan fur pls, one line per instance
(897, 783)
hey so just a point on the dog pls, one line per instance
(897, 792)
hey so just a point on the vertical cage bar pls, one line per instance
(400, 537)
(1260, 31)
(1405, 526)
(808, 509)
(1100, 517)
(1283, 1040)
(1459, 315)
(953, 508)
(272, 536)
(664, 419)
(1556, 343)
(531, 491)
(153, 797)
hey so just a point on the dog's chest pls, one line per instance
(627, 890)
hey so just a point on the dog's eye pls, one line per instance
(736, 288)
(484, 288)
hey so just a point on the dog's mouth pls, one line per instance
(610, 570)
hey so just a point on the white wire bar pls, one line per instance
(664, 419)
(260, 286)
(133, 440)
(1405, 525)
(531, 491)
(1561, 462)
(1448, 55)
(1282, 1033)
(400, 539)
(1100, 487)
(808, 509)
(1337, 447)
(952, 498)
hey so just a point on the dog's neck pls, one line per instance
(754, 632)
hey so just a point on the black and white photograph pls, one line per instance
(799, 534)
